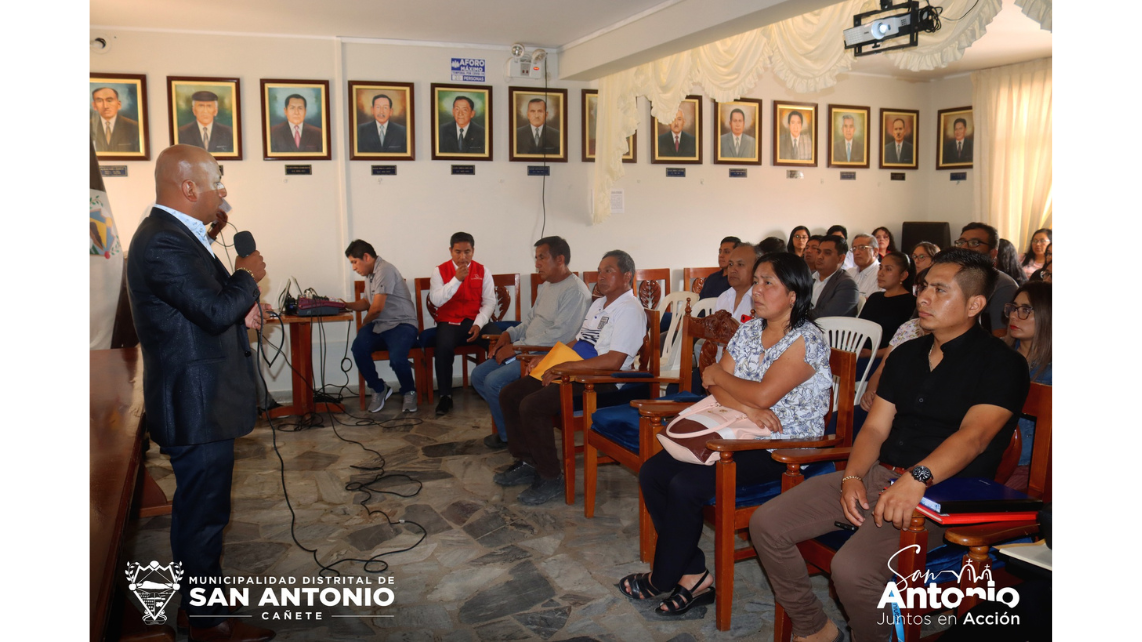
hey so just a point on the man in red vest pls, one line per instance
(464, 296)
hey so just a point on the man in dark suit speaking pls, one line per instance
(462, 136)
(536, 137)
(191, 316)
(677, 142)
(381, 134)
(110, 131)
(204, 132)
(958, 150)
(295, 135)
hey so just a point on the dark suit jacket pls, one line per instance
(525, 143)
(473, 139)
(368, 140)
(950, 155)
(281, 139)
(857, 153)
(686, 146)
(221, 136)
(838, 298)
(124, 138)
(198, 369)
(905, 153)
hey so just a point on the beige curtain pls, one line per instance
(1012, 186)
(805, 53)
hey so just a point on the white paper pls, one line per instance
(618, 200)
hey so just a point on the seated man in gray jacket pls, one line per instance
(556, 314)
(835, 293)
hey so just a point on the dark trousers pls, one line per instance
(448, 338)
(397, 341)
(675, 493)
(530, 409)
(860, 570)
(201, 509)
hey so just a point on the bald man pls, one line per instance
(191, 315)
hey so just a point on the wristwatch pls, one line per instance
(922, 475)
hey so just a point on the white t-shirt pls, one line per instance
(620, 326)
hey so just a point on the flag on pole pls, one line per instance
(106, 261)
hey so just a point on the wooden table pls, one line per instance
(301, 357)
(117, 426)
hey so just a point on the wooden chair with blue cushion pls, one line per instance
(622, 434)
(383, 355)
(641, 383)
(427, 340)
(497, 324)
(917, 560)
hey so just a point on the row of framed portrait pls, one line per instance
(205, 112)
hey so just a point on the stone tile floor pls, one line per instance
(489, 567)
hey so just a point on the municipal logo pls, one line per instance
(154, 586)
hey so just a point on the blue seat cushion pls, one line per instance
(619, 422)
(758, 494)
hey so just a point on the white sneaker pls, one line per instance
(379, 398)
(409, 404)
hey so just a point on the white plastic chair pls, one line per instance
(675, 303)
(851, 334)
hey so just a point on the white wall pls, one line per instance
(302, 223)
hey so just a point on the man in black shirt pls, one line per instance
(718, 282)
(947, 406)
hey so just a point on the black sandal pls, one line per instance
(640, 586)
(683, 600)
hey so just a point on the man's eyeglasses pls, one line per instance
(1022, 311)
(862, 248)
(972, 243)
(218, 187)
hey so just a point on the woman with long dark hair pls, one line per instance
(775, 370)
(1029, 332)
(1035, 256)
(884, 242)
(1007, 261)
(798, 239)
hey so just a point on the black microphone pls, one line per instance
(244, 244)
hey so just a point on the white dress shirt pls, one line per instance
(866, 279)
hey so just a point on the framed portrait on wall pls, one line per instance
(461, 122)
(295, 119)
(381, 121)
(899, 137)
(590, 125)
(118, 117)
(794, 134)
(680, 142)
(848, 136)
(205, 112)
(537, 125)
(737, 127)
(956, 135)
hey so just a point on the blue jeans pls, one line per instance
(489, 378)
(398, 341)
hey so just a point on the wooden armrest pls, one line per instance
(531, 348)
(529, 357)
(990, 534)
(605, 377)
(490, 337)
(661, 408)
(810, 455)
(737, 445)
(604, 372)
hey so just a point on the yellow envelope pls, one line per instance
(559, 353)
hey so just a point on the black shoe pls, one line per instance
(518, 474)
(444, 406)
(494, 442)
(542, 491)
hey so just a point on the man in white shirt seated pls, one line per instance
(610, 337)
(739, 272)
(464, 296)
(867, 265)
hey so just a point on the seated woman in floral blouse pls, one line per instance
(776, 371)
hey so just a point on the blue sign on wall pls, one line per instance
(468, 69)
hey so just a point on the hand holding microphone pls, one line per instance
(249, 258)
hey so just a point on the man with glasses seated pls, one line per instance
(982, 238)
(867, 265)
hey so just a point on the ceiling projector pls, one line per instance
(891, 27)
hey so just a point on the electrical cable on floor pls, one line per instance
(369, 564)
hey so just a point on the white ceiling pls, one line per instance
(1011, 37)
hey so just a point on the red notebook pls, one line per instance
(977, 518)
